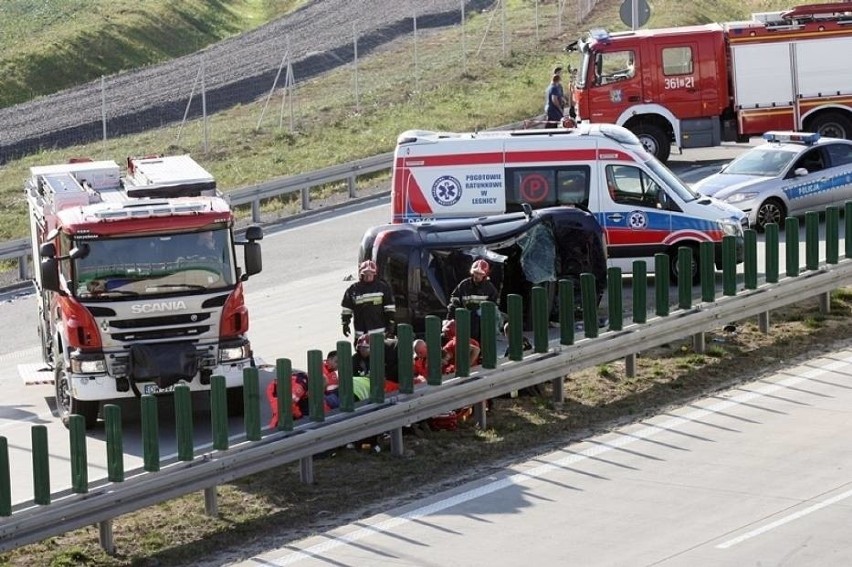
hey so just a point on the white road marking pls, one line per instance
(385, 525)
(35, 374)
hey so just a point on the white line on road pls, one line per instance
(385, 525)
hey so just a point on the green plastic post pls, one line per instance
(41, 465)
(847, 218)
(567, 308)
(640, 291)
(589, 294)
(316, 386)
(684, 280)
(405, 358)
(433, 350)
(662, 282)
(284, 392)
(708, 271)
(832, 235)
(251, 403)
(614, 289)
(729, 265)
(345, 388)
(183, 423)
(488, 342)
(377, 368)
(811, 240)
(750, 260)
(5, 479)
(515, 308)
(772, 249)
(219, 412)
(79, 457)
(114, 443)
(462, 354)
(791, 239)
(150, 433)
(540, 318)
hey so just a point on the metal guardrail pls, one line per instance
(21, 249)
(105, 502)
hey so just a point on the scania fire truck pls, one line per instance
(138, 284)
(697, 86)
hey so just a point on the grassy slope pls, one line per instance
(329, 129)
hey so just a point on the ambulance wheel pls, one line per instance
(771, 210)
(695, 271)
(832, 125)
(66, 405)
(654, 140)
(235, 401)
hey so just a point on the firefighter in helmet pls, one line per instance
(370, 302)
(471, 292)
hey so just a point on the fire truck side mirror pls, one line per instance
(252, 259)
(80, 251)
(254, 233)
(47, 250)
(49, 271)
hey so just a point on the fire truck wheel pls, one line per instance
(771, 210)
(235, 401)
(832, 125)
(654, 140)
(66, 405)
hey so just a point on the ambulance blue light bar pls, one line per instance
(807, 138)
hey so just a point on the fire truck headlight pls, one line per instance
(88, 366)
(231, 353)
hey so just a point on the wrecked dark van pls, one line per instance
(423, 262)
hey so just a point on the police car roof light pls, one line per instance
(807, 138)
(599, 34)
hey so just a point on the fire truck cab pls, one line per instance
(138, 284)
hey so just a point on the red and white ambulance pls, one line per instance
(642, 206)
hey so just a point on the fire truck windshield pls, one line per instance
(155, 265)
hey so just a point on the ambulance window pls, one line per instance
(533, 186)
(677, 61)
(573, 186)
(628, 185)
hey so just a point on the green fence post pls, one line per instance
(515, 308)
(684, 279)
(662, 282)
(284, 392)
(5, 479)
(832, 235)
(183, 423)
(706, 251)
(345, 388)
(488, 344)
(41, 465)
(462, 354)
(812, 240)
(750, 260)
(377, 368)
(150, 433)
(316, 385)
(251, 403)
(540, 318)
(589, 294)
(433, 350)
(614, 290)
(791, 240)
(847, 218)
(114, 443)
(219, 412)
(405, 358)
(772, 249)
(729, 265)
(640, 291)
(79, 456)
(567, 308)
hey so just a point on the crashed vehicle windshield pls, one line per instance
(423, 263)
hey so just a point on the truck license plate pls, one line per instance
(154, 389)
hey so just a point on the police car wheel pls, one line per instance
(771, 210)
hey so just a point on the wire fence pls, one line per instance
(270, 63)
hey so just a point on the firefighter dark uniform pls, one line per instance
(471, 292)
(370, 302)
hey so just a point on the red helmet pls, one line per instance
(367, 267)
(480, 267)
(448, 329)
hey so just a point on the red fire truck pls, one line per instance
(697, 86)
(138, 286)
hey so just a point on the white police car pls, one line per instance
(788, 175)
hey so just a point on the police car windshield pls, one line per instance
(763, 161)
(118, 268)
(672, 181)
